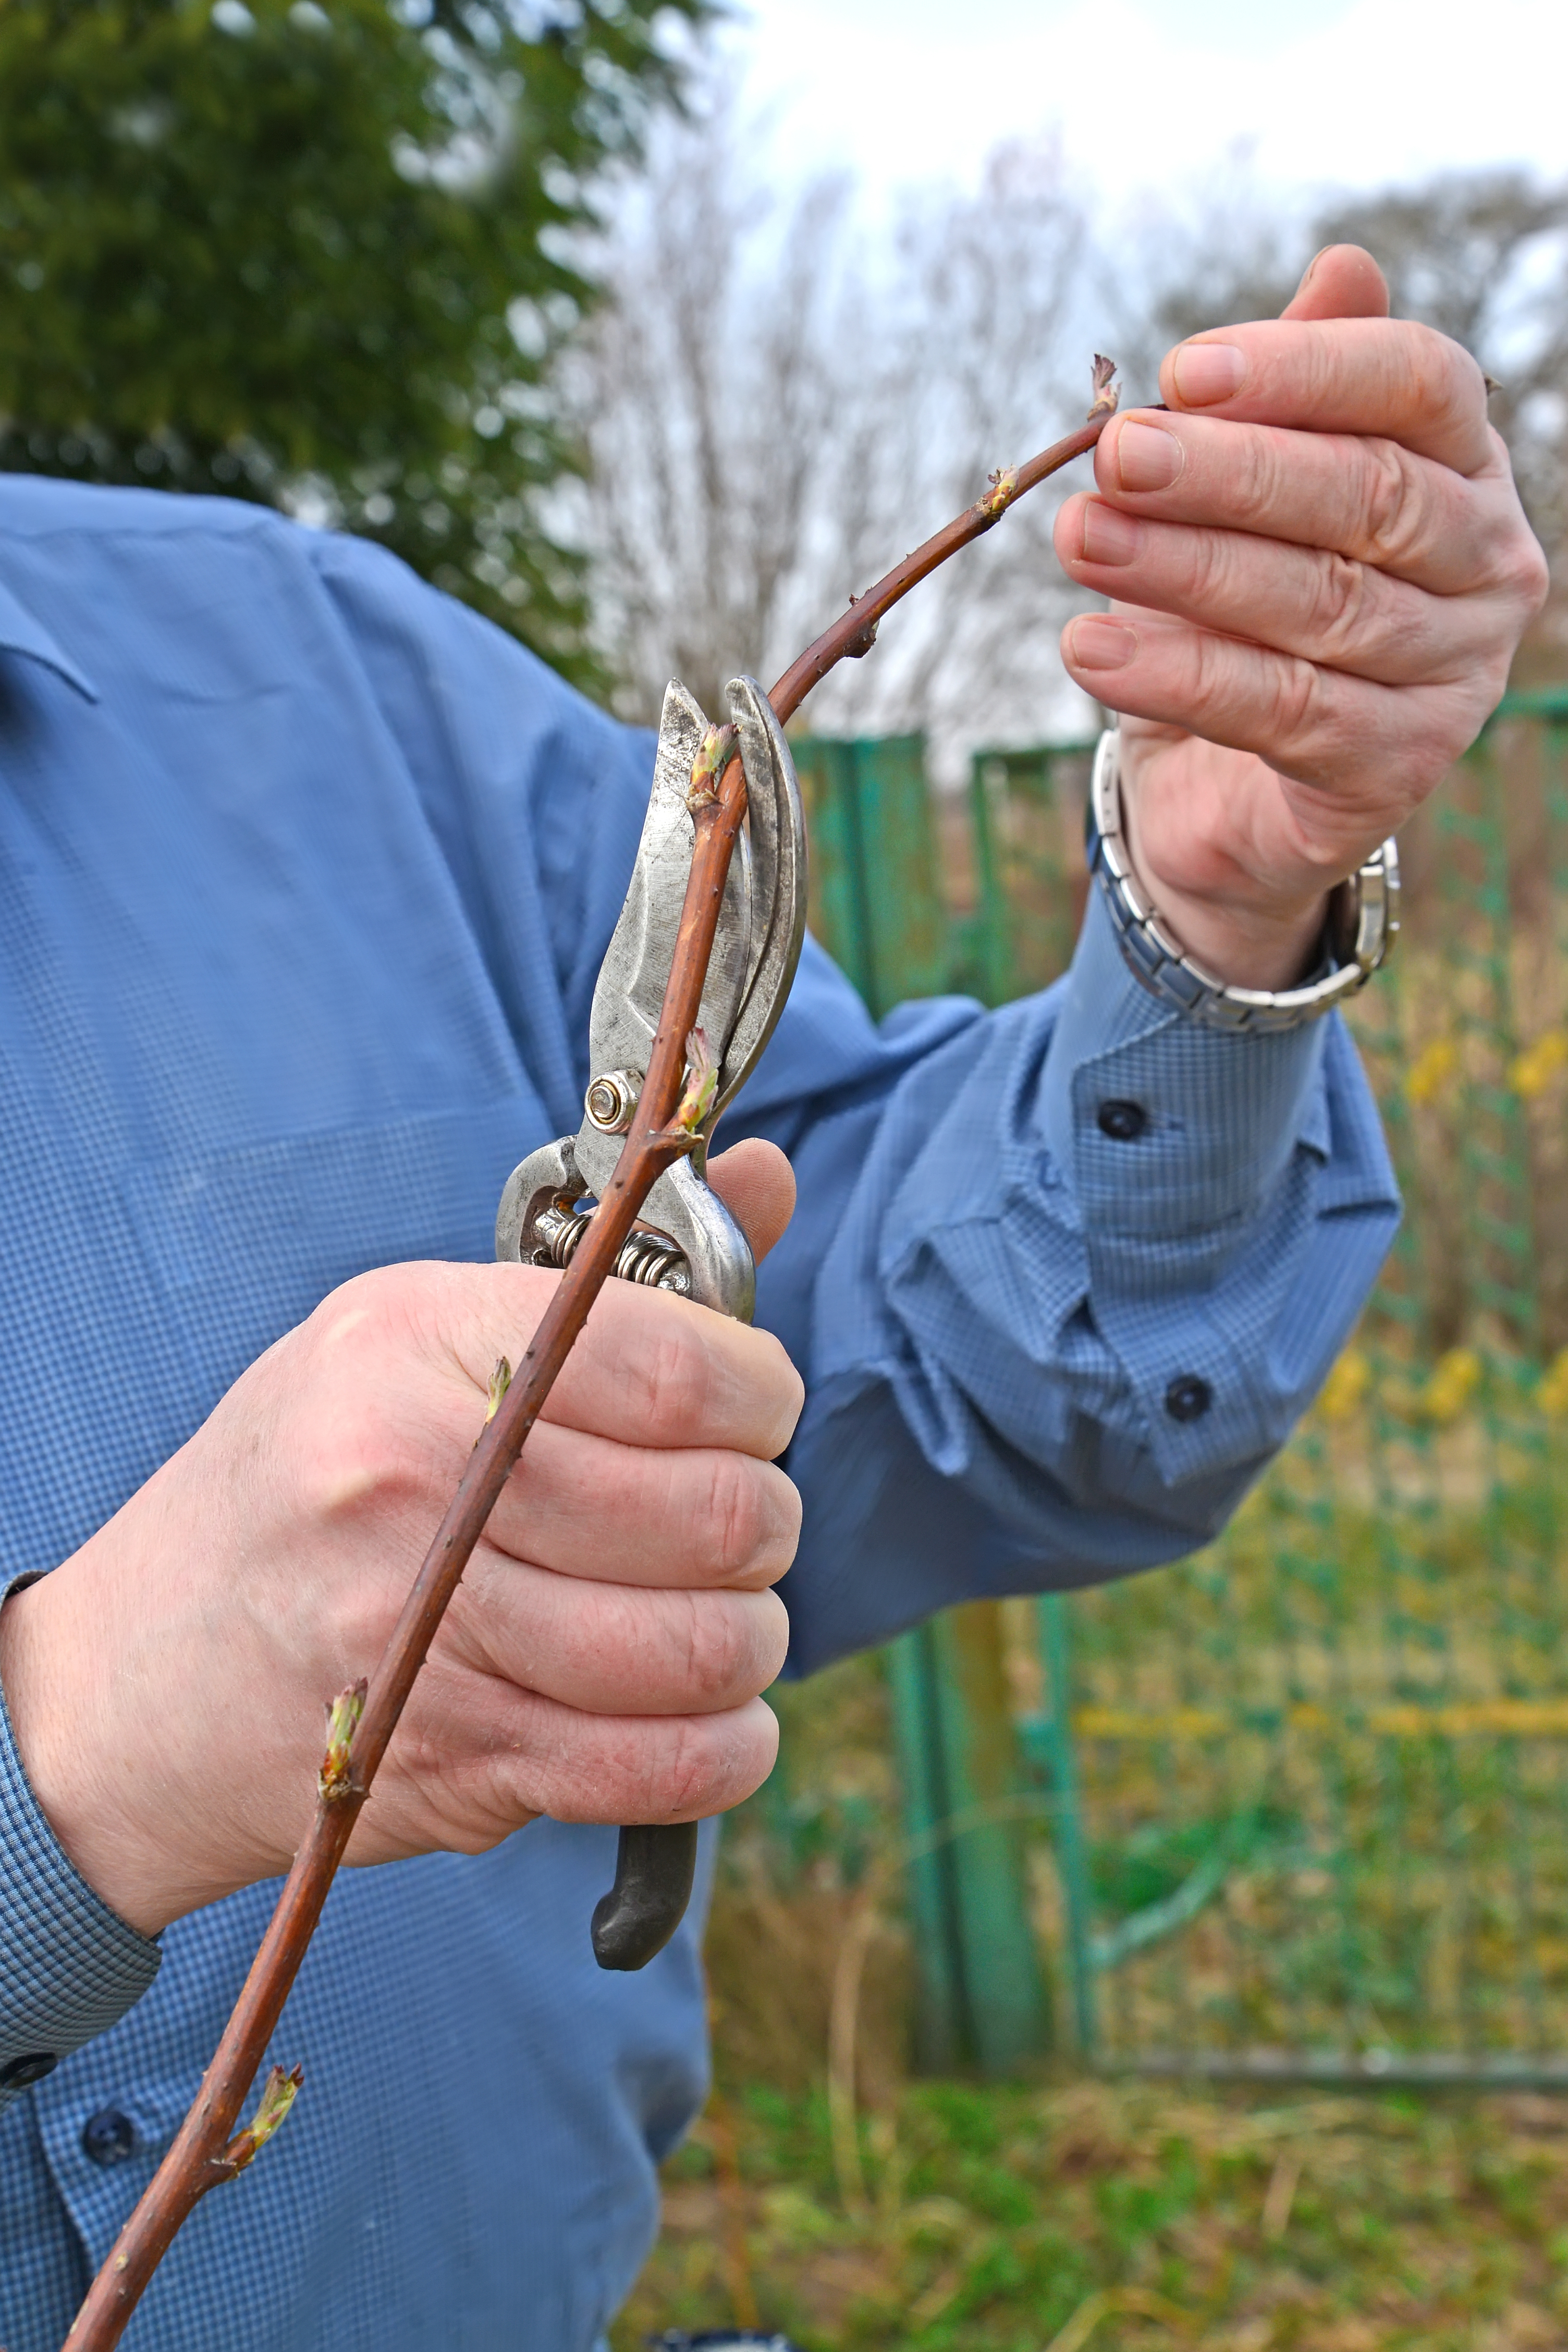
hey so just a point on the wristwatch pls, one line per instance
(1359, 928)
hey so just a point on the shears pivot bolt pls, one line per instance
(611, 1100)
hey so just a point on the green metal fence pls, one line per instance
(1299, 1805)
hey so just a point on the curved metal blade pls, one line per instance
(776, 824)
(632, 978)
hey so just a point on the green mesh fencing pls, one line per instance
(1301, 1804)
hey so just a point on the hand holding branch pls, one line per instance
(1320, 569)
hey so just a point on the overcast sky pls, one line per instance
(1153, 93)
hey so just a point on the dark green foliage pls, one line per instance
(305, 255)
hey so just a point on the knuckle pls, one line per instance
(779, 1383)
(1434, 381)
(1394, 504)
(1253, 478)
(1524, 575)
(676, 1379)
(1487, 688)
(1340, 612)
(1212, 581)
(1214, 674)
(356, 1424)
(355, 1313)
(686, 1775)
(733, 1515)
(715, 1652)
(1294, 701)
(348, 1461)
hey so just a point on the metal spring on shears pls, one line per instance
(645, 1257)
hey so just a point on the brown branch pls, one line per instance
(204, 2151)
(854, 633)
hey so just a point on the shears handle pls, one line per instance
(699, 1252)
(655, 1865)
(655, 1862)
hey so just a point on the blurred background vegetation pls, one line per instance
(526, 290)
(318, 256)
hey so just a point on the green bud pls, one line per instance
(278, 2095)
(342, 1721)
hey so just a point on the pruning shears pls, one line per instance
(686, 1240)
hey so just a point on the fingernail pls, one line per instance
(1147, 458)
(1205, 373)
(1306, 273)
(1102, 645)
(1109, 537)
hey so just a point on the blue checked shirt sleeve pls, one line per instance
(68, 1967)
(1041, 1352)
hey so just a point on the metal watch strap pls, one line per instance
(1359, 928)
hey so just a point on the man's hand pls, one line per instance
(1322, 571)
(602, 1660)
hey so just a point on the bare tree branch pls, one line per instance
(774, 386)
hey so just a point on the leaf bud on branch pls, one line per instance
(717, 751)
(343, 1720)
(701, 1084)
(279, 2094)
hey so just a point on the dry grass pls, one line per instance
(1067, 2214)
(1045, 2219)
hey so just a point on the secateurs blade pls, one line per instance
(686, 1240)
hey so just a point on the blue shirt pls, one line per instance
(305, 876)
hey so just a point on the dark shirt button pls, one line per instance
(17, 2075)
(1123, 1121)
(1188, 1398)
(109, 2136)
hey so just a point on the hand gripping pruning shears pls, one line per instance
(686, 1240)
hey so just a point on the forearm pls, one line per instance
(1004, 1308)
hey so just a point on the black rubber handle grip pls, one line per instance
(655, 1865)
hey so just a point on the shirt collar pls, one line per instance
(20, 633)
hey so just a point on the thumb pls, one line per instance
(1343, 281)
(756, 1184)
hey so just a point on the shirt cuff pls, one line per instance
(70, 1967)
(1162, 1126)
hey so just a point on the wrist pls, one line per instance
(1244, 941)
(1243, 930)
(1248, 934)
(55, 1712)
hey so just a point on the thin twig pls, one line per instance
(200, 2155)
(854, 632)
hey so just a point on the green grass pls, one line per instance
(1074, 2214)
(1383, 1886)
(997, 2218)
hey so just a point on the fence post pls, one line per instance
(877, 908)
(1067, 1804)
(940, 2012)
(1005, 2014)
